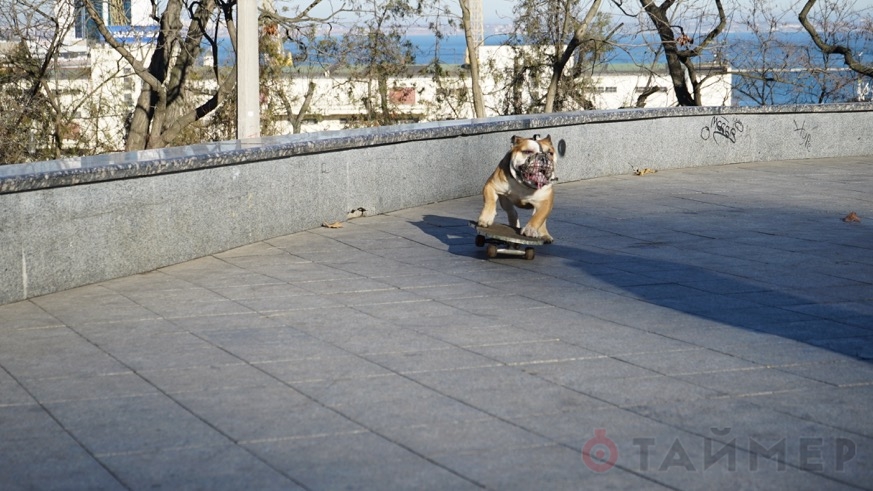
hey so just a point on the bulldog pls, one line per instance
(524, 179)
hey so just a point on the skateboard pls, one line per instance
(503, 239)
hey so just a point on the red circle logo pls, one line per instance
(594, 453)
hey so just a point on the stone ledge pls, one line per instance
(80, 221)
(125, 165)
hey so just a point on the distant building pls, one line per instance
(118, 15)
(416, 97)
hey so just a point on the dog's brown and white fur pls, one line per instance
(506, 185)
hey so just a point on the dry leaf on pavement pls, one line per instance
(852, 217)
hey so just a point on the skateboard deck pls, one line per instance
(503, 239)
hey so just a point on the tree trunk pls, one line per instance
(658, 16)
(139, 133)
(384, 108)
(561, 62)
(473, 60)
(641, 100)
(297, 119)
(680, 61)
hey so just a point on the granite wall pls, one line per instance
(73, 222)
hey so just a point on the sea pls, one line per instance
(452, 49)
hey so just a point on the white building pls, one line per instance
(621, 85)
(416, 96)
(122, 17)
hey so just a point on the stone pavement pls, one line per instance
(706, 328)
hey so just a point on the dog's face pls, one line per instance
(533, 161)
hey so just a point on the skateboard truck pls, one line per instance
(503, 239)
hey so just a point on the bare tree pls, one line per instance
(54, 103)
(162, 110)
(33, 120)
(762, 59)
(164, 107)
(579, 29)
(299, 27)
(678, 42)
(373, 54)
(554, 49)
(843, 16)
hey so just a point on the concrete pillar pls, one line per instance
(248, 106)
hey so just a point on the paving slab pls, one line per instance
(703, 328)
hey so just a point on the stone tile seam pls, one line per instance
(197, 416)
(464, 403)
(329, 408)
(67, 430)
(314, 436)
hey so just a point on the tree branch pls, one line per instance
(137, 65)
(830, 49)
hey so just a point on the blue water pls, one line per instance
(632, 50)
(452, 48)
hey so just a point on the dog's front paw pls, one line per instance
(531, 232)
(547, 239)
(485, 221)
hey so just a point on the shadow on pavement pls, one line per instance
(724, 298)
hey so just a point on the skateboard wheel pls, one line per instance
(491, 250)
(480, 240)
(529, 253)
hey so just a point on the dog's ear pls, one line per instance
(514, 140)
(548, 138)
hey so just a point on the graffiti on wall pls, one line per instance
(804, 134)
(720, 129)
